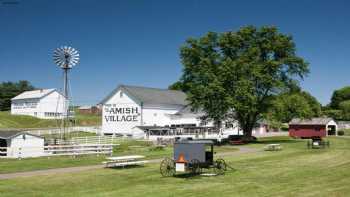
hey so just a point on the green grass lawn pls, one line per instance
(19, 121)
(127, 147)
(294, 171)
(87, 119)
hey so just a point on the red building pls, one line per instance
(310, 128)
(90, 110)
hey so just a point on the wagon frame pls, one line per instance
(192, 156)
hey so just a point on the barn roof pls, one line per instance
(34, 94)
(312, 121)
(12, 134)
(151, 96)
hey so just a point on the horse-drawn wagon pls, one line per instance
(192, 156)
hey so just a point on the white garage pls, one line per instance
(18, 144)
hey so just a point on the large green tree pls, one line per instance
(239, 71)
(339, 96)
(287, 106)
(339, 107)
(9, 90)
(344, 106)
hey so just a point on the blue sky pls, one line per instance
(137, 42)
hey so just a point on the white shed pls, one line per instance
(21, 144)
(43, 103)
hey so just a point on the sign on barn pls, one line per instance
(121, 114)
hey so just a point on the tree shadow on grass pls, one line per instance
(204, 174)
(126, 167)
(188, 176)
(276, 141)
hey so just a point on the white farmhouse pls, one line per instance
(141, 112)
(43, 103)
(18, 144)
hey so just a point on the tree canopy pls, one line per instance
(240, 71)
(339, 107)
(9, 90)
(287, 106)
(339, 96)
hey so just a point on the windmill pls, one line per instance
(66, 58)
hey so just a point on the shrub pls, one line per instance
(341, 132)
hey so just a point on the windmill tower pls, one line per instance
(66, 58)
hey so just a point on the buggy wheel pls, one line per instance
(195, 166)
(220, 166)
(167, 167)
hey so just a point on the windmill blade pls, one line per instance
(66, 54)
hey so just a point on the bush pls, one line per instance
(341, 132)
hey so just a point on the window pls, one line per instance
(121, 94)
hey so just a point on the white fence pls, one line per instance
(89, 140)
(81, 149)
(51, 131)
(56, 150)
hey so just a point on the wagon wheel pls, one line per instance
(167, 167)
(195, 166)
(220, 166)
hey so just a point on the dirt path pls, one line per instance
(242, 150)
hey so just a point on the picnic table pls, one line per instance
(273, 147)
(122, 161)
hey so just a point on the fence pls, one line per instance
(74, 150)
(51, 131)
(88, 140)
(56, 150)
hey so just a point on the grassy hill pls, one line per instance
(19, 121)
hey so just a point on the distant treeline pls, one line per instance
(339, 107)
(9, 90)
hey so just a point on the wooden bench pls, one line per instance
(122, 161)
(110, 164)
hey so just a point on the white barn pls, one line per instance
(43, 103)
(18, 144)
(131, 110)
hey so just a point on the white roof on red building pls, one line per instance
(311, 121)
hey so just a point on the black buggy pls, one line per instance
(192, 156)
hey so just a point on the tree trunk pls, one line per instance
(247, 133)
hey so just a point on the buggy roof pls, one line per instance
(194, 142)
